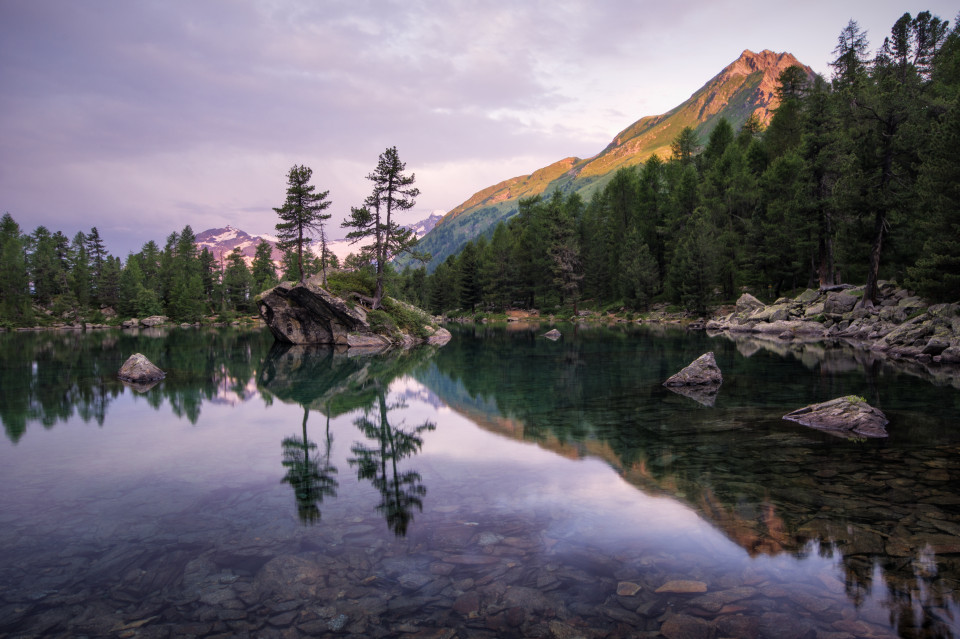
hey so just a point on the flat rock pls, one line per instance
(845, 416)
(683, 586)
(701, 371)
(138, 369)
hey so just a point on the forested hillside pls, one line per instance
(854, 179)
(745, 90)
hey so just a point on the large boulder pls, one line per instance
(845, 416)
(140, 370)
(839, 303)
(748, 303)
(702, 371)
(308, 314)
(154, 320)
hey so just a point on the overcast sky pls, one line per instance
(141, 116)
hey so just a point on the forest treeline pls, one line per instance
(854, 179)
(46, 277)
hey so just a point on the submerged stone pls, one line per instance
(848, 416)
(701, 371)
(140, 370)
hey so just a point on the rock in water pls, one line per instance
(307, 314)
(845, 416)
(139, 369)
(553, 334)
(701, 371)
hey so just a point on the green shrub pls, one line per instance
(361, 281)
(407, 318)
(381, 322)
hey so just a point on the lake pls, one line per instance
(504, 485)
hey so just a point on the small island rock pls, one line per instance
(702, 371)
(845, 416)
(553, 334)
(139, 369)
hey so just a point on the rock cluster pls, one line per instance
(900, 326)
(845, 416)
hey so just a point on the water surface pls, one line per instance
(503, 485)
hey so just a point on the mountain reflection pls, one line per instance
(887, 510)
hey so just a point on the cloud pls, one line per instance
(140, 117)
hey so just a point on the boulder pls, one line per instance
(845, 416)
(701, 371)
(553, 334)
(808, 296)
(138, 369)
(154, 320)
(308, 314)
(131, 323)
(748, 303)
(839, 303)
(439, 337)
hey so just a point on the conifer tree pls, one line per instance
(264, 272)
(15, 308)
(301, 214)
(393, 192)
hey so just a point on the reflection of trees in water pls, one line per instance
(400, 490)
(51, 376)
(336, 382)
(770, 487)
(311, 478)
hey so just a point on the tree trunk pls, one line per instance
(873, 268)
(825, 253)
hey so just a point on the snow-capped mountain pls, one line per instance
(221, 242)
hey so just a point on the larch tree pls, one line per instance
(393, 192)
(302, 214)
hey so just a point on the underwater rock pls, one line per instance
(848, 416)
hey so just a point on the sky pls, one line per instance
(140, 117)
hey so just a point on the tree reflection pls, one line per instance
(311, 478)
(400, 490)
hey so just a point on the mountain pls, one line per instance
(746, 86)
(220, 242)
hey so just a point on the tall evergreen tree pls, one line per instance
(264, 272)
(393, 192)
(15, 308)
(301, 214)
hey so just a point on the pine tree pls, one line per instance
(15, 307)
(301, 214)
(237, 282)
(936, 274)
(393, 192)
(264, 272)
